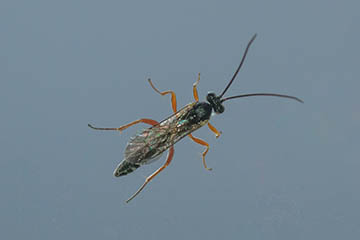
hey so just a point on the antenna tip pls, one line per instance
(253, 38)
(301, 101)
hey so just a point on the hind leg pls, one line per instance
(148, 179)
(143, 120)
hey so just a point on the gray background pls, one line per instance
(282, 170)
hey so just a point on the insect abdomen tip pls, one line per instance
(125, 168)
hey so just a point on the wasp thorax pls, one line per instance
(215, 102)
(200, 112)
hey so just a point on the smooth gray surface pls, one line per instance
(282, 170)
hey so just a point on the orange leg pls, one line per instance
(143, 120)
(202, 142)
(214, 130)
(195, 92)
(173, 96)
(148, 179)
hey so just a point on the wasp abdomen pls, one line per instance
(125, 167)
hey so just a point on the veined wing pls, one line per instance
(147, 146)
(143, 148)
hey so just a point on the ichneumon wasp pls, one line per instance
(148, 145)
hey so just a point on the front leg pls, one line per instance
(214, 130)
(195, 92)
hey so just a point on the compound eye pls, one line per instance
(219, 108)
(210, 97)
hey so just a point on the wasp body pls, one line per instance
(148, 145)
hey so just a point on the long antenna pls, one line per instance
(262, 94)
(241, 63)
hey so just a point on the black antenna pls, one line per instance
(241, 63)
(262, 94)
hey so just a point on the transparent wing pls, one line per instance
(147, 146)
(151, 160)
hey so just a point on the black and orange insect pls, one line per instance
(149, 144)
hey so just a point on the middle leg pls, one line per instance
(173, 96)
(203, 143)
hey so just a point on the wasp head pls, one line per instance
(215, 102)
